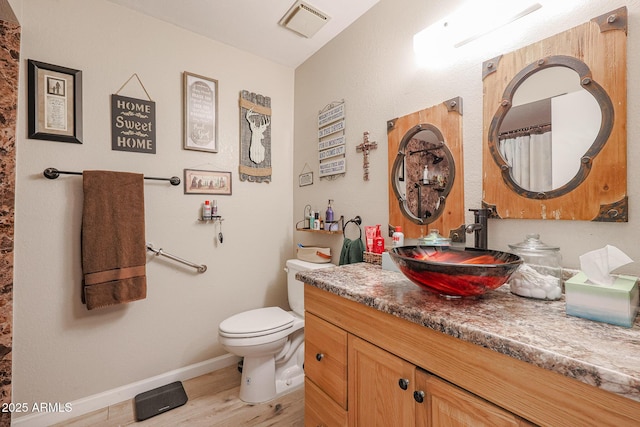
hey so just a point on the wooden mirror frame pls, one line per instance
(596, 50)
(400, 163)
(446, 119)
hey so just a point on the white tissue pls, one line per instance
(598, 264)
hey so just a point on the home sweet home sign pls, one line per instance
(133, 124)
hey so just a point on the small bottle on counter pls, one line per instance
(378, 241)
(316, 221)
(206, 211)
(398, 237)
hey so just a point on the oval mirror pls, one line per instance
(553, 120)
(423, 174)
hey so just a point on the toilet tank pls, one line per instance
(296, 287)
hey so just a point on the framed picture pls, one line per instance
(54, 102)
(200, 107)
(305, 179)
(207, 182)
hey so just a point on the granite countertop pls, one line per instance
(534, 331)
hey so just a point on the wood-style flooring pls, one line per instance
(213, 402)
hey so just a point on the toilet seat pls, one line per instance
(256, 323)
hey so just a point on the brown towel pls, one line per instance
(113, 241)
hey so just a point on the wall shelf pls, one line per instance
(319, 231)
(339, 222)
(213, 219)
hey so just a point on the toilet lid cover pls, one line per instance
(261, 321)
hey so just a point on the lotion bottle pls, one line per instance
(206, 211)
(378, 241)
(398, 237)
(312, 217)
(329, 214)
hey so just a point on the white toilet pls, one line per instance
(271, 341)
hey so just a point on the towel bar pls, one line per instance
(53, 173)
(201, 268)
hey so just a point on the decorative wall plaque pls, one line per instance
(255, 137)
(331, 140)
(133, 124)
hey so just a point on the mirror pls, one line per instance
(555, 126)
(425, 163)
(423, 174)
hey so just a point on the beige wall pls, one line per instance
(64, 352)
(371, 67)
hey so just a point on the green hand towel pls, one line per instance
(352, 251)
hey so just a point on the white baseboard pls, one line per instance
(126, 392)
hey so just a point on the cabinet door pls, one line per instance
(325, 357)
(445, 404)
(320, 409)
(380, 389)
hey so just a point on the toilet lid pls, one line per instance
(252, 323)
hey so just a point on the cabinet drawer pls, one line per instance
(325, 357)
(320, 409)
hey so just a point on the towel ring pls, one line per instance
(357, 221)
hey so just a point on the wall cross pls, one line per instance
(364, 148)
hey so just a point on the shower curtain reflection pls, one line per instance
(529, 156)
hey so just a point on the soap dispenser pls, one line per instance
(329, 214)
(378, 241)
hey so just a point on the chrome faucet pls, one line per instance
(479, 227)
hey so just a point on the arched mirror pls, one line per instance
(554, 120)
(423, 174)
(555, 126)
(425, 165)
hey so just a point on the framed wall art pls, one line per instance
(200, 106)
(54, 102)
(207, 182)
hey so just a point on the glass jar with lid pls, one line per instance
(540, 275)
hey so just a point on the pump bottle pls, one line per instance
(378, 241)
(329, 214)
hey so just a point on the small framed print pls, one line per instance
(200, 109)
(54, 102)
(305, 179)
(207, 182)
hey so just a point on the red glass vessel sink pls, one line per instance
(455, 272)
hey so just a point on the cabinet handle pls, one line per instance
(319, 357)
(418, 396)
(403, 383)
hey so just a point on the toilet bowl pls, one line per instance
(271, 341)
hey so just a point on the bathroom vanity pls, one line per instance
(380, 351)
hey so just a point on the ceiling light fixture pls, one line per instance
(470, 22)
(499, 19)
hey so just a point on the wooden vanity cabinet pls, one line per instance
(380, 386)
(385, 390)
(398, 373)
(325, 366)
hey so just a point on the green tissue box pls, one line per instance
(616, 304)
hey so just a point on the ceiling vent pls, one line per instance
(304, 19)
